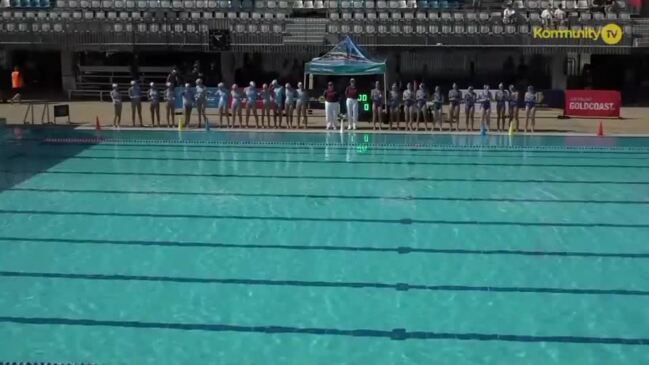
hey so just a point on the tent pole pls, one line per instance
(385, 87)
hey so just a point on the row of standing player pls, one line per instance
(282, 101)
(279, 100)
(416, 105)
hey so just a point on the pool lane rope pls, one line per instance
(467, 147)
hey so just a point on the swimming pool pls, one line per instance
(305, 248)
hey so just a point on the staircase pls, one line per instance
(307, 31)
(641, 30)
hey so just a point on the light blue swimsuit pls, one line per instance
(222, 98)
(117, 98)
(290, 97)
(135, 94)
(302, 96)
(200, 95)
(188, 99)
(170, 95)
(279, 96)
(266, 97)
(154, 96)
(236, 98)
(251, 96)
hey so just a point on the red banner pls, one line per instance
(592, 103)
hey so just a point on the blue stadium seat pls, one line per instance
(30, 4)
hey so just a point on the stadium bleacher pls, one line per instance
(275, 25)
(366, 16)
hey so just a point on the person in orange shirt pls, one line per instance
(16, 84)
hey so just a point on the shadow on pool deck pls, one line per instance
(17, 142)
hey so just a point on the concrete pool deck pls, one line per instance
(635, 120)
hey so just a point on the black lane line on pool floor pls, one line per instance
(398, 334)
(328, 220)
(325, 177)
(324, 284)
(344, 162)
(401, 250)
(329, 196)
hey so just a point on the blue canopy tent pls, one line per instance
(345, 59)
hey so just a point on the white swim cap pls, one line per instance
(234, 86)
(114, 86)
(168, 84)
(252, 83)
(188, 85)
(198, 81)
(221, 84)
(151, 84)
(133, 82)
(287, 85)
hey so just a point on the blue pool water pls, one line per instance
(271, 248)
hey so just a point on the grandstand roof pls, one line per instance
(346, 58)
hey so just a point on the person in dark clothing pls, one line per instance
(196, 71)
(213, 75)
(332, 105)
(173, 78)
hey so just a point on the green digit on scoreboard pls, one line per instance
(366, 107)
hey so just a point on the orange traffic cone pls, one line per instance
(97, 125)
(600, 130)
